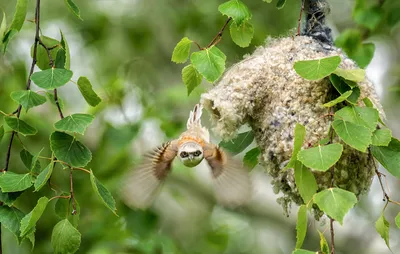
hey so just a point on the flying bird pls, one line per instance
(231, 180)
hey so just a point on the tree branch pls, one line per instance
(72, 192)
(218, 37)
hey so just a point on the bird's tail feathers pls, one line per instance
(195, 116)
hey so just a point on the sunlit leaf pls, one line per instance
(19, 15)
(317, 69)
(364, 116)
(3, 27)
(305, 182)
(103, 193)
(65, 238)
(321, 158)
(28, 99)
(182, 50)
(87, 91)
(12, 182)
(339, 99)
(51, 78)
(209, 62)
(301, 226)
(356, 75)
(323, 244)
(238, 144)
(335, 202)
(242, 34)
(73, 8)
(191, 78)
(235, 9)
(356, 136)
(66, 148)
(381, 137)
(74, 123)
(299, 135)
(65, 46)
(29, 221)
(19, 126)
(389, 156)
(382, 227)
(250, 159)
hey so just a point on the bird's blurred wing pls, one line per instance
(231, 180)
(141, 185)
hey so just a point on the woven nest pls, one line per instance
(265, 92)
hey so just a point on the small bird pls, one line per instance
(231, 180)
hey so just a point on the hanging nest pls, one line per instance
(265, 92)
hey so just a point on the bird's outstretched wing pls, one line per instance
(141, 185)
(231, 180)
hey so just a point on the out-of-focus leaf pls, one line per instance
(280, 4)
(19, 15)
(250, 159)
(323, 244)
(87, 91)
(73, 8)
(369, 17)
(382, 227)
(1, 132)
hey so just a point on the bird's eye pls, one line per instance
(184, 154)
(197, 153)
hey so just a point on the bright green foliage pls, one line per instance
(103, 193)
(63, 209)
(29, 221)
(339, 99)
(238, 144)
(44, 176)
(50, 97)
(10, 218)
(342, 86)
(300, 251)
(51, 78)
(28, 99)
(250, 159)
(65, 238)
(280, 4)
(389, 156)
(182, 50)
(1, 132)
(73, 8)
(397, 220)
(74, 123)
(87, 92)
(301, 226)
(382, 227)
(19, 126)
(65, 46)
(369, 17)
(299, 135)
(317, 69)
(43, 61)
(210, 62)
(364, 116)
(31, 162)
(191, 78)
(242, 34)
(381, 137)
(321, 158)
(66, 148)
(235, 9)
(12, 182)
(335, 202)
(323, 244)
(19, 15)
(305, 182)
(356, 75)
(356, 136)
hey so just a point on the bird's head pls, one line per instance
(190, 153)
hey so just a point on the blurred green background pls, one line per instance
(124, 47)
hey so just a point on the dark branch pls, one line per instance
(72, 192)
(218, 37)
(58, 104)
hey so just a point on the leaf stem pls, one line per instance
(59, 197)
(71, 184)
(217, 38)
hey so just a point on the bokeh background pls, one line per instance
(124, 47)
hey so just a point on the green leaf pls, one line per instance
(19, 15)
(43, 61)
(73, 8)
(9, 197)
(343, 86)
(300, 251)
(191, 78)
(317, 69)
(65, 46)
(242, 34)
(280, 4)
(1, 132)
(60, 59)
(66, 148)
(381, 137)
(323, 244)
(335, 202)
(103, 193)
(363, 55)
(7, 38)
(305, 182)
(74, 123)
(356, 136)
(63, 209)
(87, 92)
(321, 158)
(250, 159)
(10, 218)
(50, 97)
(267, 1)
(397, 220)
(19, 126)
(356, 75)
(51, 78)
(235, 9)
(364, 116)
(12, 182)
(339, 99)
(209, 62)
(3, 27)
(238, 144)
(382, 227)
(182, 50)
(29, 221)
(299, 135)
(44, 176)
(28, 99)
(65, 238)
(31, 162)
(370, 17)
(389, 156)
(393, 16)
(301, 226)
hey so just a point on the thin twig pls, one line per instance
(218, 37)
(71, 184)
(58, 104)
(59, 197)
(300, 16)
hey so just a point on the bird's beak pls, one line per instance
(190, 156)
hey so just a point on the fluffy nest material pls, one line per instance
(265, 92)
